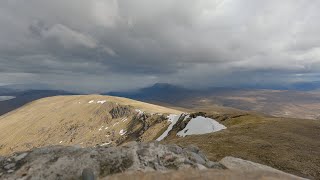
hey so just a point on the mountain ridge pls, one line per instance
(25, 97)
(81, 119)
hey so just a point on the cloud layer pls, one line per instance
(102, 45)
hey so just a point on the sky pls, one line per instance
(110, 45)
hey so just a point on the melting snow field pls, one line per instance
(139, 111)
(101, 102)
(201, 125)
(5, 98)
(173, 118)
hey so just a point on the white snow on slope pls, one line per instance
(98, 102)
(115, 124)
(139, 111)
(101, 102)
(173, 118)
(201, 125)
(122, 132)
(105, 144)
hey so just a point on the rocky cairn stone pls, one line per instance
(130, 161)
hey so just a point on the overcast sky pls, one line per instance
(103, 45)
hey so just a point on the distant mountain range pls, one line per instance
(297, 100)
(174, 92)
(283, 103)
(306, 86)
(157, 92)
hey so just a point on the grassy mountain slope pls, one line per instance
(24, 97)
(290, 145)
(287, 144)
(80, 120)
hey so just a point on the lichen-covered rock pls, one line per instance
(58, 162)
(120, 111)
(130, 161)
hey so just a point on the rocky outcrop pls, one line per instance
(133, 160)
(121, 111)
(58, 162)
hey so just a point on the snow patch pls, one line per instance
(173, 118)
(90, 102)
(139, 111)
(105, 144)
(60, 142)
(106, 128)
(122, 132)
(101, 128)
(101, 102)
(115, 123)
(201, 125)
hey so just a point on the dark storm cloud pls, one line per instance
(117, 44)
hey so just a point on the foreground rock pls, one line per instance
(133, 160)
(210, 174)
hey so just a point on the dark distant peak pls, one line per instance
(161, 89)
(306, 86)
(158, 92)
(164, 86)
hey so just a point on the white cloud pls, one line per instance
(207, 41)
(68, 38)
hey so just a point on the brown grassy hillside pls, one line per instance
(287, 144)
(291, 145)
(73, 120)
